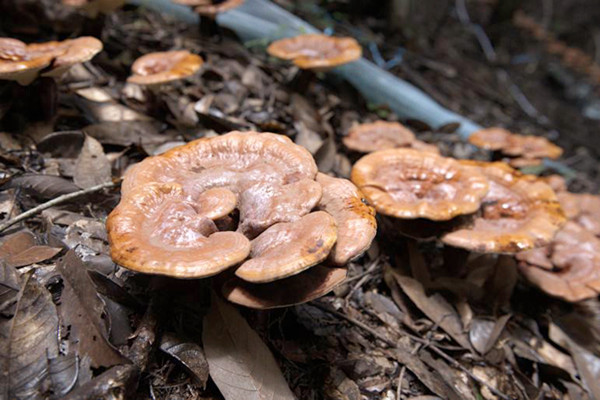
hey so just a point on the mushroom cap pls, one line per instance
(490, 138)
(355, 220)
(583, 208)
(575, 252)
(304, 287)
(524, 162)
(316, 51)
(378, 135)
(518, 213)
(407, 183)
(163, 67)
(155, 229)
(531, 147)
(212, 8)
(23, 63)
(288, 248)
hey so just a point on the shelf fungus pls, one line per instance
(249, 203)
(568, 268)
(316, 51)
(525, 150)
(382, 135)
(582, 208)
(410, 184)
(155, 69)
(25, 62)
(518, 213)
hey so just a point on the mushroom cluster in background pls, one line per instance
(518, 150)
(253, 201)
(158, 68)
(25, 62)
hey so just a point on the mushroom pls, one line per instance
(493, 139)
(378, 135)
(583, 208)
(172, 206)
(156, 229)
(316, 52)
(355, 220)
(531, 147)
(304, 287)
(94, 7)
(163, 67)
(518, 213)
(569, 267)
(211, 8)
(288, 248)
(409, 184)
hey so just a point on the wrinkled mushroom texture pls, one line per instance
(379, 135)
(583, 208)
(406, 183)
(531, 147)
(306, 286)
(162, 67)
(316, 51)
(23, 63)
(210, 8)
(355, 220)
(518, 213)
(490, 138)
(288, 248)
(575, 254)
(156, 229)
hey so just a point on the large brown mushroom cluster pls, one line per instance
(249, 205)
(518, 150)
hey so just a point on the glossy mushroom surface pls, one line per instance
(262, 184)
(162, 67)
(409, 184)
(316, 51)
(518, 213)
(569, 267)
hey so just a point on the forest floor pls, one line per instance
(401, 326)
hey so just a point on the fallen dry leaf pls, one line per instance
(27, 340)
(189, 354)
(240, 363)
(82, 309)
(92, 167)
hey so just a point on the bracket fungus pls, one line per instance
(162, 67)
(518, 213)
(382, 135)
(568, 268)
(316, 51)
(24, 62)
(582, 208)
(410, 184)
(285, 217)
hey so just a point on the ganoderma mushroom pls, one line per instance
(162, 67)
(582, 208)
(382, 135)
(410, 184)
(568, 268)
(518, 213)
(284, 218)
(523, 150)
(316, 52)
(24, 62)
(208, 11)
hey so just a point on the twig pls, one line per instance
(58, 200)
(391, 343)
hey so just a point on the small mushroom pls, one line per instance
(493, 139)
(378, 135)
(355, 220)
(163, 67)
(211, 8)
(518, 213)
(409, 184)
(304, 287)
(16, 64)
(531, 147)
(288, 248)
(569, 267)
(316, 51)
